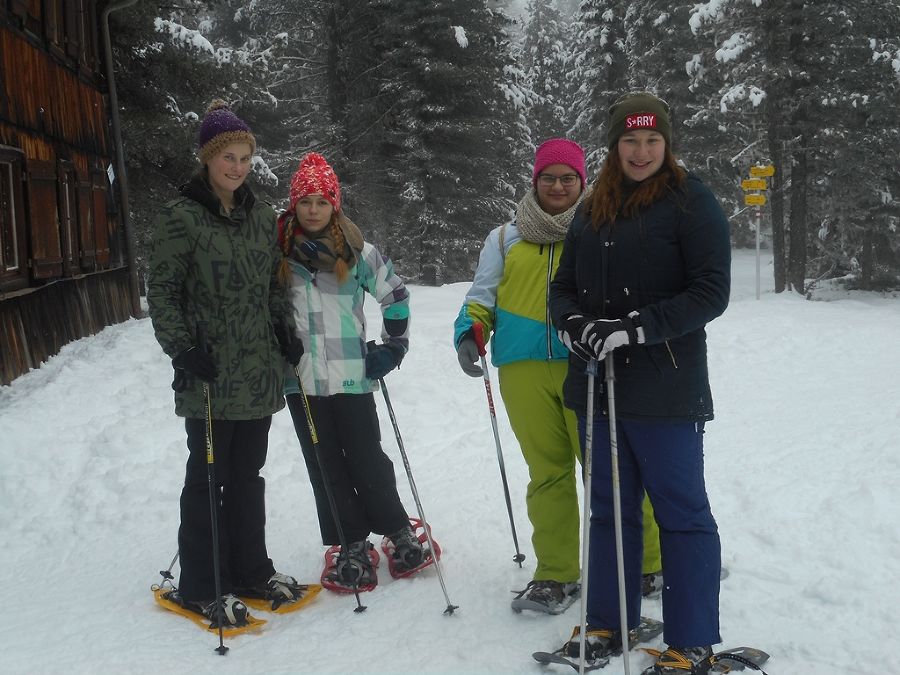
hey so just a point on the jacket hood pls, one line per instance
(198, 189)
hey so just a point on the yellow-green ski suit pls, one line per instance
(509, 298)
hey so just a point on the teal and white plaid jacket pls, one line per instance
(331, 322)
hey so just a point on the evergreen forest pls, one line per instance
(430, 112)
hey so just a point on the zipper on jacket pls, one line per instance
(671, 355)
(547, 302)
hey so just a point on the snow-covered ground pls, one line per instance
(801, 463)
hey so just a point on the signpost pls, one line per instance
(762, 171)
(757, 182)
(755, 200)
(753, 184)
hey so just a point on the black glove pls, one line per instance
(595, 338)
(196, 362)
(469, 358)
(291, 346)
(382, 359)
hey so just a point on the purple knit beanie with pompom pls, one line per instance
(219, 129)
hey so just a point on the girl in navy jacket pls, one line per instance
(646, 264)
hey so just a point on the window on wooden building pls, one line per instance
(13, 262)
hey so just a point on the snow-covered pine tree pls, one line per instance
(663, 52)
(449, 134)
(854, 140)
(168, 70)
(820, 74)
(544, 59)
(288, 46)
(748, 57)
(521, 99)
(599, 72)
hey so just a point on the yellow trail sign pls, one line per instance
(753, 184)
(762, 171)
(754, 200)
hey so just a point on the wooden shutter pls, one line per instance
(73, 27)
(101, 227)
(53, 23)
(89, 24)
(46, 254)
(86, 246)
(19, 8)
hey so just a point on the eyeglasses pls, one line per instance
(548, 179)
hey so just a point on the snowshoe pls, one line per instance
(680, 661)
(356, 571)
(407, 550)
(725, 661)
(546, 595)
(601, 645)
(237, 618)
(281, 594)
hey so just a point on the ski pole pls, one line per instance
(326, 483)
(415, 493)
(213, 510)
(478, 330)
(586, 507)
(167, 574)
(617, 506)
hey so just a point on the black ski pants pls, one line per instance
(239, 452)
(360, 476)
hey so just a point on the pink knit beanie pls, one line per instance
(559, 151)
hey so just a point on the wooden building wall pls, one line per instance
(59, 221)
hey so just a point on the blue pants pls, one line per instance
(666, 460)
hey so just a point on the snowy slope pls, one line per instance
(802, 470)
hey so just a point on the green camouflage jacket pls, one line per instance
(220, 268)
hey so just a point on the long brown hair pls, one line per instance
(608, 198)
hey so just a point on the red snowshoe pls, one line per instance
(397, 565)
(353, 572)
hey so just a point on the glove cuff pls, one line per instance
(635, 330)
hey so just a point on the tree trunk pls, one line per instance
(776, 197)
(867, 261)
(797, 257)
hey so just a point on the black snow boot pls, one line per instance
(408, 551)
(354, 567)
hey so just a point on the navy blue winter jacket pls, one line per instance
(672, 263)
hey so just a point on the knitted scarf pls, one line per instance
(538, 226)
(319, 252)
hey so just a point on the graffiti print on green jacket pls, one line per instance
(217, 267)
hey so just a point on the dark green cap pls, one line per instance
(638, 110)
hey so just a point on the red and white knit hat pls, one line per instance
(315, 176)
